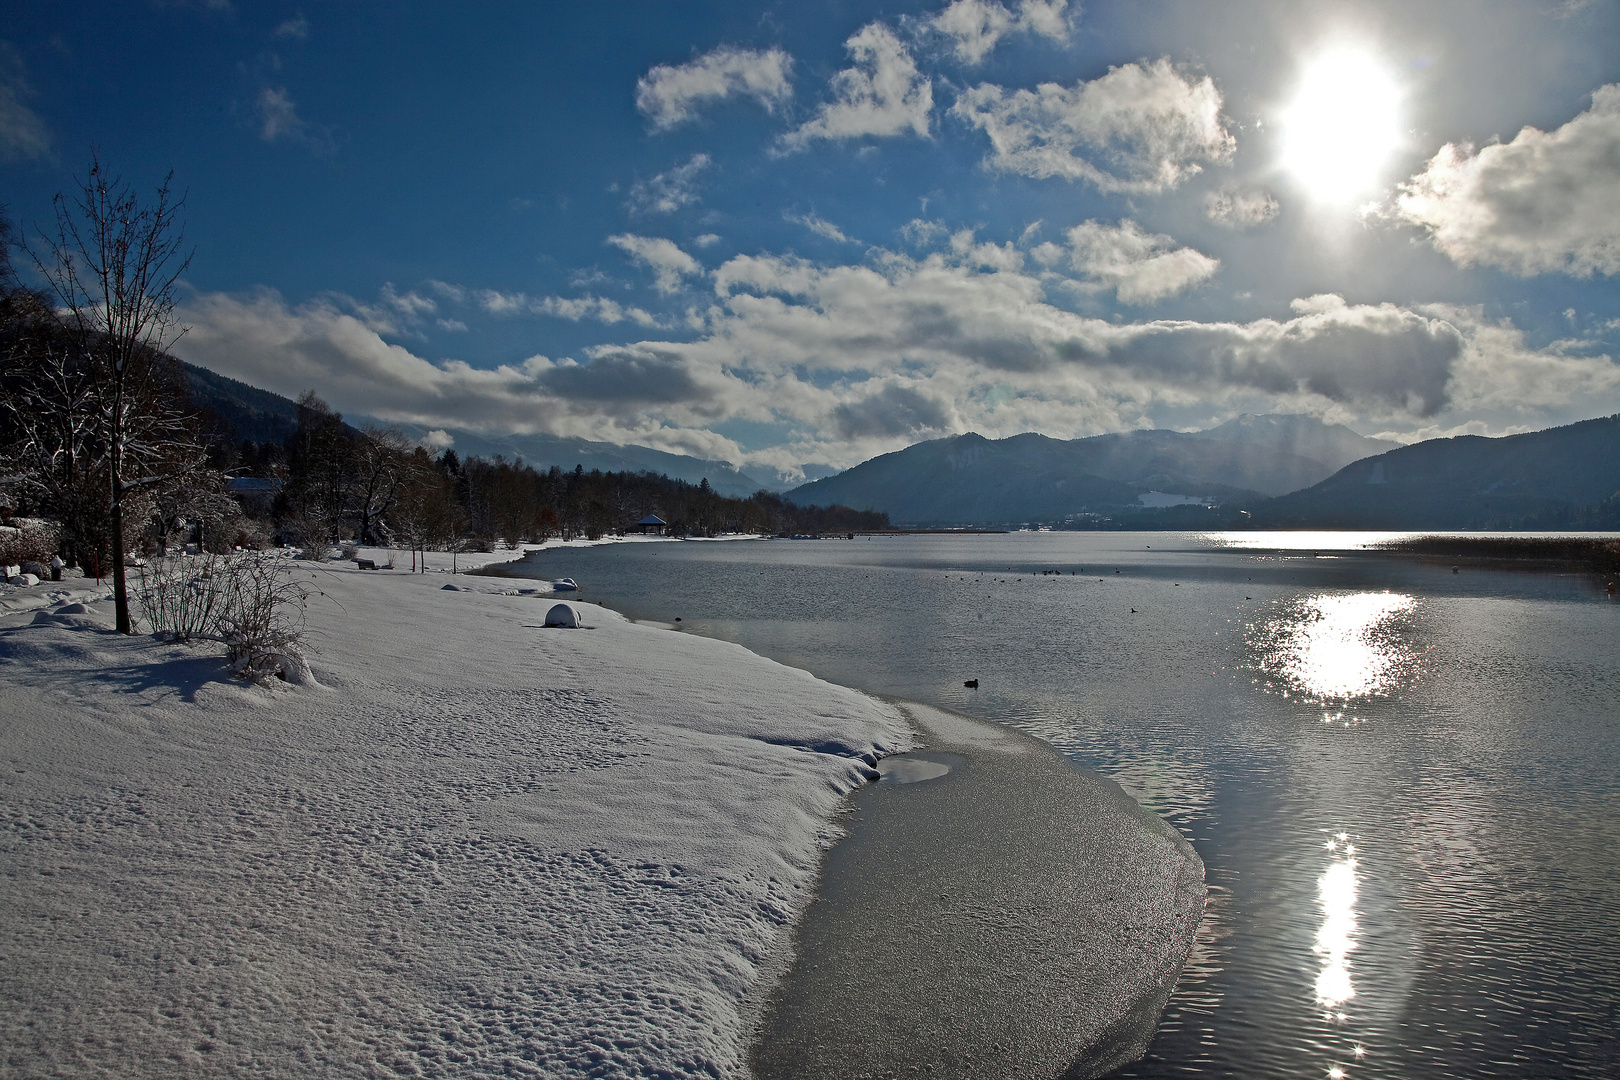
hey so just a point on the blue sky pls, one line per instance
(790, 234)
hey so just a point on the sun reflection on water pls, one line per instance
(1338, 648)
(1337, 936)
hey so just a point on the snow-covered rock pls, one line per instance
(563, 615)
(23, 581)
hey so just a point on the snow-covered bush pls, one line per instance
(28, 540)
(249, 602)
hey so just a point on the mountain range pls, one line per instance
(1540, 480)
(968, 479)
(1255, 471)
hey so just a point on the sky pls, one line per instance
(795, 236)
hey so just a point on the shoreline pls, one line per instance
(472, 840)
(932, 927)
(1009, 803)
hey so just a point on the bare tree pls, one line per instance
(112, 265)
(383, 466)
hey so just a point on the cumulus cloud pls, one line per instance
(848, 361)
(1238, 208)
(296, 27)
(668, 263)
(1141, 128)
(895, 409)
(1500, 372)
(1141, 267)
(883, 94)
(976, 26)
(265, 341)
(1543, 203)
(23, 135)
(669, 191)
(669, 95)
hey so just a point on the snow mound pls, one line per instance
(564, 615)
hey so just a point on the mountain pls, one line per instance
(968, 479)
(1332, 445)
(251, 413)
(1542, 479)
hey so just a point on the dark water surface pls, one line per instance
(1404, 782)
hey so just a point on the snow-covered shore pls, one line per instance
(478, 848)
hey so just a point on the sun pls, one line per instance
(1343, 124)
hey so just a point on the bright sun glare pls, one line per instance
(1343, 124)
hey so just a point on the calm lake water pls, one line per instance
(1404, 782)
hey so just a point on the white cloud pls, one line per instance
(279, 119)
(820, 226)
(922, 233)
(669, 191)
(1545, 202)
(278, 116)
(848, 361)
(1141, 128)
(263, 341)
(23, 134)
(296, 27)
(1239, 208)
(668, 263)
(1141, 267)
(976, 26)
(883, 94)
(1499, 372)
(575, 309)
(412, 305)
(670, 95)
(438, 439)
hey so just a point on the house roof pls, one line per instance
(652, 519)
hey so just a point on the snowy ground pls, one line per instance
(444, 562)
(478, 848)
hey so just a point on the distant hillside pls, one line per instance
(1539, 480)
(251, 413)
(968, 479)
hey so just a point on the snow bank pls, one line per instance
(443, 562)
(480, 848)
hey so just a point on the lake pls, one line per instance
(1404, 782)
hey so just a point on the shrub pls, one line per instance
(249, 602)
(28, 540)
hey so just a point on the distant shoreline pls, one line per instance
(1597, 554)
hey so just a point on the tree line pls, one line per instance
(329, 482)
